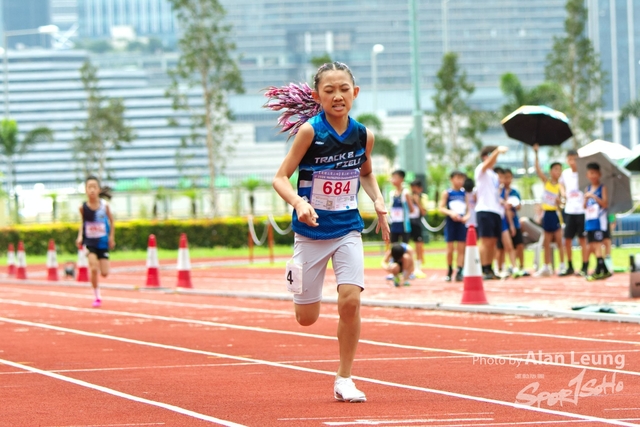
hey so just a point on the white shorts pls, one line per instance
(346, 254)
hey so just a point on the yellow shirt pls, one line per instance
(550, 196)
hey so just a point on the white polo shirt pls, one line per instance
(575, 197)
(487, 191)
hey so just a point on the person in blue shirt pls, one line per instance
(511, 242)
(97, 234)
(596, 224)
(454, 204)
(332, 153)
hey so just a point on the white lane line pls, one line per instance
(510, 405)
(330, 316)
(117, 393)
(480, 356)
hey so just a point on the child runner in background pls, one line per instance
(97, 234)
(471, 200)
(550, 219)
(398, 261)
(453, 204)
(596, 201)
(512, 242)
(420, 200)
(401, 207)
(332, 153)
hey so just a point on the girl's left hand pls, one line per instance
(112, 242)
(383, 224)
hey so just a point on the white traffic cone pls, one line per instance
(153, 276)
(184, 264)
(473, 292)
(11, 260)
(83, 264)
(52, 262)
(21, 270)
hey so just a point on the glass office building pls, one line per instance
(614, 27)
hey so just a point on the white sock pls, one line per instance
(96, 292)
(562, 266)
(418, 265)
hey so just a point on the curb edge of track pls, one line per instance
(468, 308)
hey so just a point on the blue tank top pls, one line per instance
(400, 221)
(595, 217)
(512, 193)
(95, 226)
(457, 202)
(329, 179)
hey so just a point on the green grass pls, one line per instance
(374, 254)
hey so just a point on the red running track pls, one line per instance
(155, 359)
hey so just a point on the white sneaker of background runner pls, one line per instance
(545, 271)
(345, 390)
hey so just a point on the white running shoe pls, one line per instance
(543, 272)
(345, 390)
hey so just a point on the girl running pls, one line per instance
(96, 233)
(332, 153)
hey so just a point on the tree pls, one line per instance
(251, 184)
(205, 63)
(437, 177)
(12, 147)
(546, 93)
(383, 146)
(456, 125)
(576, 67)
(104, 129)
(319, 61)
(631, 109)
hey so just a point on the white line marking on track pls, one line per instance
(507, 358)
(113, 425)
(371, 422)
(330, 316)
(298, 368)
(117, 393)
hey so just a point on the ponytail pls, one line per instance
(295, 101)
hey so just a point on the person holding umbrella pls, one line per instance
(489, 210)
(551, 219)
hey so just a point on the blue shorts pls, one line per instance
(455, 231)
(551, 221)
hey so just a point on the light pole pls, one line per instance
(45, 29)
(377, 49)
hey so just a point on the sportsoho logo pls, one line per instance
(580, 386)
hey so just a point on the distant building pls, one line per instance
(614, 27)
(45, 90)
(26, 15)
(64, 13)
(148, 18)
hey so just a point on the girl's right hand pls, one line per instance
(78, 241)
(307, 214)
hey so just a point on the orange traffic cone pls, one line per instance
(52, 262)
(83, 265)
(473, 292)
(11, 260)
(21, 269)
(184, 264)
(153, 277)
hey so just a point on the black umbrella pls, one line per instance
(533, 124)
